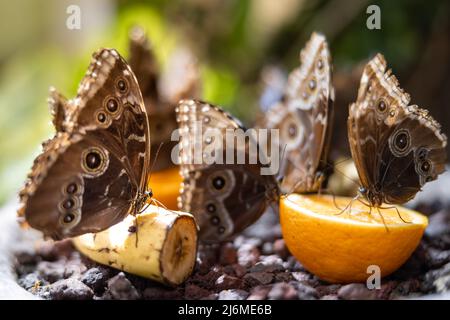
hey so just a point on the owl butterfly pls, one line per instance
(162, 91)
(397, 147)
(93, 172)
(304, 119)
(225, 198)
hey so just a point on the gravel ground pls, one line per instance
(256, 265)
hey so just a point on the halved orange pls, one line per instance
(339, 246)
(165, 185)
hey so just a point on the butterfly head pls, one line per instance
(374, 197)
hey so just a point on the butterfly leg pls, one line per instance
(332, 193)
(382, 218)
(398, 213)
(348, 206)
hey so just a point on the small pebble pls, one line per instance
(258, 278)
(283, 291)
(267, 248)
(270, 263)
(283, 277)
(51, 271)
(161, 293)
(248, 255)
(437, 258)
(70, 289)
(194, 292)
(120, 288)
(305, 292)
(228, 282)
(96, 278)
(259, 293)
(356, 291)
(233, 294)
(32, 280)
(329, 297)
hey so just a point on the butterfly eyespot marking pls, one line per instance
(122, 85)
(422, 154)
(221, 230)
(71, 188)
(215, 220)
(112, 105)
(68, 204)
(382, 106)
(392, 113)
(101, 117)
(312, 84)
(211, 208)
(292, 130)
(69, 219)
(400, 142)
(208, 140)
(320, 64)
(425, 166)
(206, 119)
(218, 183)
(94, 161)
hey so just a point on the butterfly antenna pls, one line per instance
(321, 189)
(159, 203)
(297, 183)
(342, 161)
(153, 164)
(283, 154)
(329, 165)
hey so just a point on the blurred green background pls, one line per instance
(235, 41)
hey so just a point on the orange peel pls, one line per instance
(339, 246)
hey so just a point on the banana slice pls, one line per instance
(157, 244)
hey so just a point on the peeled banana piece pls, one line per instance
(157, 244)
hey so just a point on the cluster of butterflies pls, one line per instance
(95, 170)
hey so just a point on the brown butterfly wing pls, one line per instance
(144, 65)
(304, 119)
(161, 93)
(392, 142)
(58, 105)
(65, 197)
(225, 198)
(109, 100)
(102, 156)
